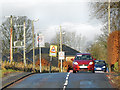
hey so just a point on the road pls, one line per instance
(65, 80)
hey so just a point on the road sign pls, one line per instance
(53, 50)
(18, 44)
(61, 55)
(40, 40)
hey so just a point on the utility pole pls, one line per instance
(61, 45)
(109, 28)
(24, 45)
(11, 40)
(109, 17)
(33, 43)
(58, 49)
(33, 46)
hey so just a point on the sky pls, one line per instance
(72, 15)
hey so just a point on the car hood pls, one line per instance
(99, 65)
(83, 61)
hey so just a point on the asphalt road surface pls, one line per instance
(64, 81)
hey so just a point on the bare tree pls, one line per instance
(69, 38)
(17, 32)
(100, 11)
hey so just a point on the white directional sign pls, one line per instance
(18, 44)
(61, 55)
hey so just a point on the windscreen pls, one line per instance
(99, 62)
(83, 57)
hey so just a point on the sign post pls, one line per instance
(50, 64)
(61, 57)
(40, 41)
(53, 53)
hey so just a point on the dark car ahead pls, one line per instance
(100, 65)
(83, 61)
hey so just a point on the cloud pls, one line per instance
(85, 29)
(46, 1)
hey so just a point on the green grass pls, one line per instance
(7, 71)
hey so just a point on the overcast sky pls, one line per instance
(72, 15)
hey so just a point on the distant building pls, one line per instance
(69, 53)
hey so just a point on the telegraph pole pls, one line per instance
(109, 17)
(11, 40)
(33, 46)
(33, 43)
(109, 28)
(61, 45)
(24, 45)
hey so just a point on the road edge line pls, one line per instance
(16, 80)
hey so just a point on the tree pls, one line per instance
(100, 11)
(17, 32)
(98, 51)
(71, 39)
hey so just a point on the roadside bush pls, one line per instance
(29, 68)
(116, 66)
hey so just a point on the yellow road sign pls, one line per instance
(53, 50)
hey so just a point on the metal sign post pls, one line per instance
(40, 41)
(61, 57)
(40, 60)
(50, 64)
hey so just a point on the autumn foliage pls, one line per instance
(113, 47)
(43, 62)
(66, 65)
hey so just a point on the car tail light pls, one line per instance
(90, 63)
(75, 63)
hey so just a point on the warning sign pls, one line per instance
(53, 50)
(61, 55)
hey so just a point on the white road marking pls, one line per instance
(66, 81)
(99, 71)
(66, 78)
(64, 87)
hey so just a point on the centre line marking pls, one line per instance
(66, 82)
(66, 78)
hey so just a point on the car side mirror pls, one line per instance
(72, 59)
